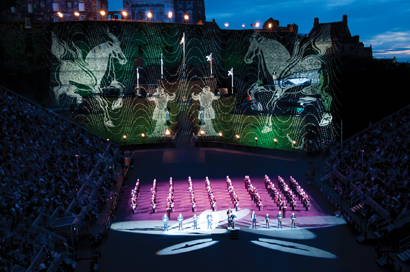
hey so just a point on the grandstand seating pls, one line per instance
(46, 163)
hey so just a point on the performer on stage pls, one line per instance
(209, 219)
(195, 219)
(279, 219)
(293, 220)
(180, 219)
(165, 220)
(233, 221)
(267, 219)
(253, 217)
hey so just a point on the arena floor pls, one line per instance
(321, 241)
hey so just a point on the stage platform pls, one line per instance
(137, 242)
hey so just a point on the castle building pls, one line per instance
(160, 10)
(343, 43)
(273, 25)
(46, 11)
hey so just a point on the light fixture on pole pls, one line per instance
(209, 59)
(124, 14)
(186, 18)
(256, 141)
(243, 25)
(149, 15)
(170, 16)
(183, 54)
(362, 160)
(167, 132)
(143, 137)
(138, 81)
(230, 73)
(294, 144)
(202, 132)
(226, 25)
(276, 141)
(257, 25)
(60, 15)
(270, 26)
(102, 14)
(78, 173)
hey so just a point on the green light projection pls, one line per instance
(281, 83)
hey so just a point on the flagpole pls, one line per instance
(183, 48)
(162, 68)
(211, 64)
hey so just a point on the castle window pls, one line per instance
(56, 6)
(189, 4)
(81, 6)
(43, 4)
(180, 17)
(69, 4)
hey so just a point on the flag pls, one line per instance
(183, 39)
(230, 72)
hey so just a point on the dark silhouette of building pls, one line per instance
(273, 25)
(343, 43)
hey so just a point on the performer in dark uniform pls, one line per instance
(180, 220)
(233, 221)
(279, 219)
(195, 219)
(165, 220)
(284, 207)
(253, 217)
(267, 219)
(293, 220)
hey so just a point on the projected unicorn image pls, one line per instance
(206, 111)
(298, 74)
(161, 112)
(87, 75)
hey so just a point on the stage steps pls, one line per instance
(357, 207)
(234, 234)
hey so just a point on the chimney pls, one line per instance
(344, 19)
(316, 23)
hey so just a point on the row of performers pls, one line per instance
(180, 219)
(211, 197)
(170, 198)
(279, 218)
(134, 196)
(253, 192)
(191, 195)
(232, 193)
(303, 197)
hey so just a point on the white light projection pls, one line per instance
(206, 111)
(161, 112)
(87, 74)
(294, 248)
(187, 246)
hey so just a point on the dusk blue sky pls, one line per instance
(384, 24)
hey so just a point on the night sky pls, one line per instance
(384, 24)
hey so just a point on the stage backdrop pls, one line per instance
(242, 86)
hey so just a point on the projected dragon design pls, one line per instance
(87, 74)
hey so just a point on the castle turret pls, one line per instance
(344, 21)
(316, 22)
